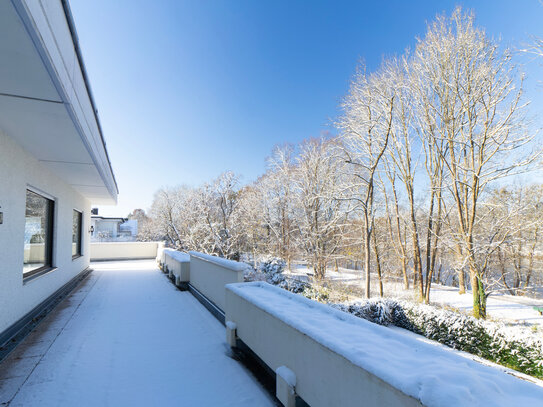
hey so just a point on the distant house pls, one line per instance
(129, 227)
(53, 158)
(111, 228)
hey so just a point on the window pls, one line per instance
(76, 233)
(38, 248)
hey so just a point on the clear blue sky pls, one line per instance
(188, 89)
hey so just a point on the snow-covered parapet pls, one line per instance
(177, 255)
(339, 359)
(100, 251)
(210, 274)
(220, 261)
(177, 265)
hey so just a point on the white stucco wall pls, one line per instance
(123, 250)
(209, 276)
(17, 171)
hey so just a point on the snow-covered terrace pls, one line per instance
(126, 336)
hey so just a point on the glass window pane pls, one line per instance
(38, 232)
(76, 233)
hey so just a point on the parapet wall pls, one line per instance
(123, 250)
(336, 359)
(209, 275)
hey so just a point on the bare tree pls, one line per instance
(477, 108)
(319, 191)
(366, 125)
(279, 200)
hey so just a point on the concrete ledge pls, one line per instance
(219, 261)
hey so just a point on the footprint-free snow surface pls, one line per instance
(127, 337)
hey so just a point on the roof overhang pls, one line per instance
(94, 217)
(45, 100)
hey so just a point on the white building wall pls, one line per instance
(17, 171)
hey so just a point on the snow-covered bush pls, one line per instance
(273, 268)
(270, 270)
(317, 293)
(517, 348)
(294, 285)
(381, 311)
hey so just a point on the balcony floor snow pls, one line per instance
(126, 336)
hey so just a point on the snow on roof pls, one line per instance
(434, 376)
(229, 264)
(177, 255)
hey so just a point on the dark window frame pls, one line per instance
(50, 237)
(79, 249)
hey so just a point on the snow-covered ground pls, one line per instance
(505, 308)
(501, 307)
(127, 337)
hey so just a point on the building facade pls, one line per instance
(53, 159)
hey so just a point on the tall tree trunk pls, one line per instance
(417, 258)
(429, 232)
(399, 238)
(461, 281)
(378, 264)
(479, 295)
(367, 253)
(461, 272)
(436, 233)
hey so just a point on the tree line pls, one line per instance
(417, 184)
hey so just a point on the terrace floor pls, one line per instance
(126, 336)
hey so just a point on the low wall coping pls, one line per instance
(177, 255)
(434, 375)
(219, 261)
(118, 243)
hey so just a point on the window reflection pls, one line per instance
(38, 233)
(76, 233)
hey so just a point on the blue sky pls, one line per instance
(188, 89)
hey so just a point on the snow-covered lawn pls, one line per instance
(128, 337)
(505, 308)
(501, 307)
